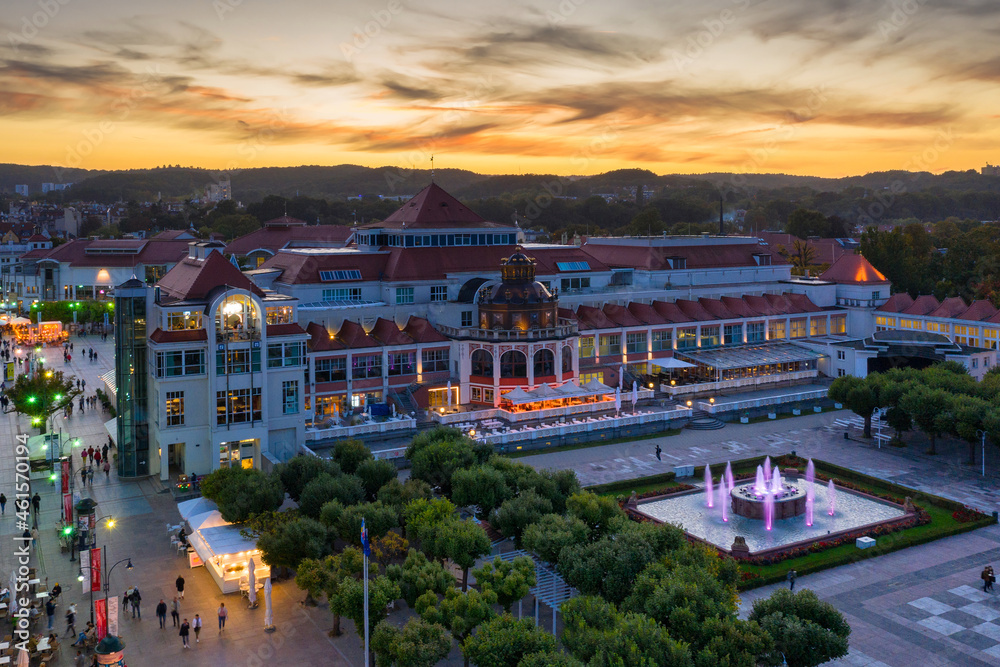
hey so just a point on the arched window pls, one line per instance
(237, 316)
(567, 359)
(545, 363)
(513, 364)
(482, 363)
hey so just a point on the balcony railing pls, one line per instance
(231, 335)
(561, 331)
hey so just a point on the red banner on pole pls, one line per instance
(65, 475)
(101, 617)
(68, 508)
(95, 570)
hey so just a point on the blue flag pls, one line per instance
(365, 546)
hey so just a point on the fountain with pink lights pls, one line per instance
(769, 498)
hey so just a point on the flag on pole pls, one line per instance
(365, 545)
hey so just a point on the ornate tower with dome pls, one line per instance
(517, 302)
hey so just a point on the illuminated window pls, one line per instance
(817, 326)
(663, 340)
(290, 397)
(285, 354)
(181, 321)
(586, 347)
(175, 408)
(635, 342)
(687, 339)
(611, 344)
(238, 406)
(776, 330)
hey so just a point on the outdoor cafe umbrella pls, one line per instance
(268, 614)
(618, 399)
(621, 375)
(635, 394)
(449, 393)
(12, 587)
(252, 578)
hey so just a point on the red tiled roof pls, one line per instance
(853, 269)
(290, 329)
(780, 303)
(593, 318)
(195, 278)
(547, 257)
(285, 220)
(655, 258)
(646, 313)
(801, 303)
(321, 340)
(432, 208)
(353, 335)
(827, 251)
(761, 305)
(436, 263)
(303, 268)
(979, 310)
(717, 309)
(422, 331)
(670, 312)
(186, 336)
(694, 310)
(567, 314)
(621, 315)
(37, 238)
(81, 252)
(388, 333)
(897, 303)
(738, 307)
(950, 307)
(279, 237)
(922, 305)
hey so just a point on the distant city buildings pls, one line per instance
(991, 170)
(21, 190)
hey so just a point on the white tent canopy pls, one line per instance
(671, 363)
(571, 389)
(195, 506)
(597, 388)
(544, 392)
(518, 396)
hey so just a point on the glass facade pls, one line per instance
(131, 377)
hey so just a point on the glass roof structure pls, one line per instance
(747, 356)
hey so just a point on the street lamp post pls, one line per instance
(79, 578)
(982, 436)
(107, 575)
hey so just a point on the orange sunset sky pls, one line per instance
(826, 87)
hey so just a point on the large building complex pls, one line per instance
(435, 307)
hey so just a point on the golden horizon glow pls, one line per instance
(830, 88)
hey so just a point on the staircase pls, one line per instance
(702, 421)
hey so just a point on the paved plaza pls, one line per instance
(915, 607)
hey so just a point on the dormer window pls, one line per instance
(762, 259)
(677, 262)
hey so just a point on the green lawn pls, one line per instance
(642, 488)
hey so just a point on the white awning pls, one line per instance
(571, 390)
(111, 426)
(597, 388)
(545, 393)
(518, 396)
(671, 363)
(194, 507)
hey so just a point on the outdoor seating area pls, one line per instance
(568, 425)
(367, 425)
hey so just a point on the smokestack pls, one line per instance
(721, 229)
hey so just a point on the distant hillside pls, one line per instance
(343, 181)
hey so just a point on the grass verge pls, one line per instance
(588, 445)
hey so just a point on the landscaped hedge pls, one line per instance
(629, 484)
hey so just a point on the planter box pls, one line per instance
(864, 543)
(839, 406)
(744, 420)
(796, 411)
(772, 415)
(816, 408)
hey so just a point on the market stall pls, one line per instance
(220, 547)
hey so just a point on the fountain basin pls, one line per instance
(748, 502)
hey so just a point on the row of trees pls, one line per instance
(939, 400)
(648, 596)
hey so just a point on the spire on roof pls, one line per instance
(432, 168)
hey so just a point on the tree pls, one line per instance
(802, 255)
(516, 514)
(462, 542)
(379, 520)
(931, 410)
(417, 576)
(418, 644)
(504, 641)
(461, 613)
(325, 576)
(597, 633)
(349, 454)
(805, 223)
(294, 541)
(347, 489)
(40, 396)
(598, 512)
(548, 536)
(482, 487)
(300, 470)
(549, 659)
(421, 515)
(970, 414)
(389, 547)
(860, 395)
(397, 494)
(805, 629)
(436, 462)
(509, 580)
(350, 601)
(243, 492)
(899, 420)
(609, 566)
(374, 475)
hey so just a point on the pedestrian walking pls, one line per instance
(993, 578)
(104, 450)
(175, 611)
(36, 502)
(3, 504)
(90, 452)
(223, 614)
(83, 456)
(125, 598)
(71, 621)
(196, 624)
(50, 612)
(80, 660)
(161, 613)
(658, 452)
(136, 599)
(986, 575)
(107, 470)
(97, 457)
(185, 630)
(180, 586)
(81, 405)
(791, 579)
